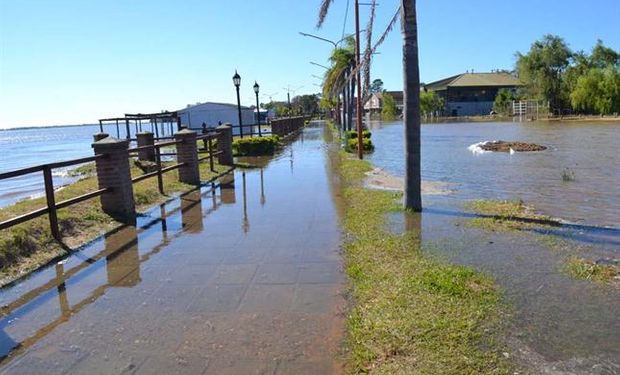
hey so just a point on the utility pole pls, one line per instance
(360, 145)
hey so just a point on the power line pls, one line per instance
(346, 15)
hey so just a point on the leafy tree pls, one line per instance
(306, 104)
(376, 86)
(503, 101)
(389, 109)
(597, 91)
(603, 57)
(542, 70)
(430, 102)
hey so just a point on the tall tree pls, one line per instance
(411, 91)
(542, 69)
(376, 86)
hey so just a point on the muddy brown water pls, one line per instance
(557, 325)
(240, 277)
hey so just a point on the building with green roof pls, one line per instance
(472, 94)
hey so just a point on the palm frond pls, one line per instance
(367, 59)
(323, 10)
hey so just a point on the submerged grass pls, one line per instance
(411, 314)
(583, 269)
(502, 215)
(29, 245)
(515, 215)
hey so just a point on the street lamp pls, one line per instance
(237, 82)
(256, 89)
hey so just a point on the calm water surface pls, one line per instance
(590, 150)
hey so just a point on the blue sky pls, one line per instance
(69, 62)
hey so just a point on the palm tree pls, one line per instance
(336, 80)
(411, 91)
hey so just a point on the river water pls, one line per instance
(589, 151)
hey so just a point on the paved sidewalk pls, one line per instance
(243, 279)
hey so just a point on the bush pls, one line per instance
(353, 134)
(351, 145)
(256, 146)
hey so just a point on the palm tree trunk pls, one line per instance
(411, 86)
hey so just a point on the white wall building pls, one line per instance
(213, 113)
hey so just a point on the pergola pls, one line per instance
(159, 123)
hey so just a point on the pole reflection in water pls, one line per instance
(246, 222)
(227, 189)
(191, 212)
(123, 264)
(112, 263)
(262, 189)
(413, 227)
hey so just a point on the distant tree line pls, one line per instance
(572, 82)
(300, 105)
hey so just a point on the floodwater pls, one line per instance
(240, 277)
(588, 150)
(557, 325)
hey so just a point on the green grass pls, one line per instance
(502, 215)
(411, 314)
(587, 270)
(26, 246)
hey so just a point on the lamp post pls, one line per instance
(256, 89)
(237, 82)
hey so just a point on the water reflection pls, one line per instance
(169, 295)
(114, 261)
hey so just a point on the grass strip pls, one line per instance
(411, 314)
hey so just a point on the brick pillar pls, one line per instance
(113, 172)
(146, 139)
(187, 152)
(224, 144)
(100, 136)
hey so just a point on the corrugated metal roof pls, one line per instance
(475, 79)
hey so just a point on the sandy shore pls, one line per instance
(380, 179)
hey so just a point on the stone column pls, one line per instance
(146, 139)
(100, 136)
(113, 172)
(224, 144)
(187, 152)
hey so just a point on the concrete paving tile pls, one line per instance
(218, 298)
(276, 274)
(233, 274)
(314, 298)
(268, 298)
(326, 273)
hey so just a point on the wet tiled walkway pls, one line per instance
(243, 277)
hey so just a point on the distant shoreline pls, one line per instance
(46, 126)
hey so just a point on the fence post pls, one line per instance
(146, 139)
(99, 136)
(51, 202)
(187, 152)
(113, 172)
(224, 144)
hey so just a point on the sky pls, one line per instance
(74, 61)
